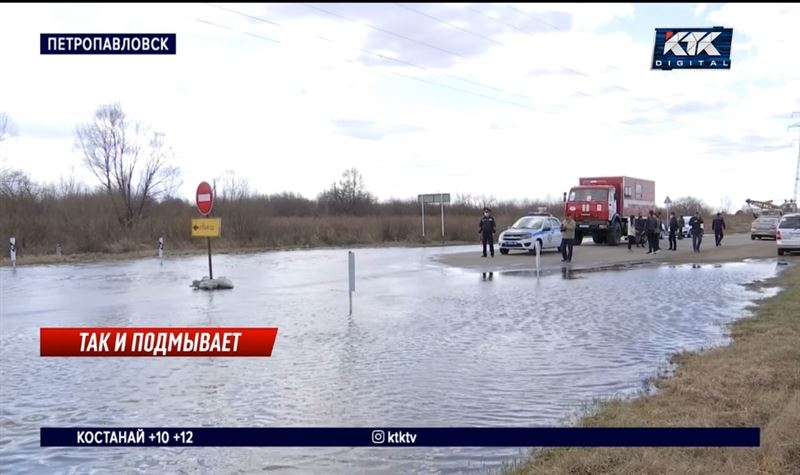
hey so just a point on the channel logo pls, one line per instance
(692, 48)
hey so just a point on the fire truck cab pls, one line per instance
(600, 206)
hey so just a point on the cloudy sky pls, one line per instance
(510, 100)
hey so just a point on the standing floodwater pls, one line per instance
(427, 345)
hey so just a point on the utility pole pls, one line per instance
(797, 171)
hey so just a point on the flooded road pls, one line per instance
(427, 345)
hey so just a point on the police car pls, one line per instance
(542, 227)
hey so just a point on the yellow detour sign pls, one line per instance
(206, 227)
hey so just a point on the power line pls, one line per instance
(444, 22)
(408, 63)
(535, 18)
(213, 24)
(387, 57)
(399, 61)
(264, 20)
(398, 35)
(391, 33)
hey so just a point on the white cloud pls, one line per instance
(701, 7)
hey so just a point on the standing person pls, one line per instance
(486, 229)
(659, 227)
(718, 225)
(651, 229)
(696, 226)
(640, 221)
(632, 232)
(567, 238)
(674, 228)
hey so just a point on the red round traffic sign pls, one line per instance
(204, 198)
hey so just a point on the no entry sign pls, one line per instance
(204, 198)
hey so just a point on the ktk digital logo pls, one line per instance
(692, 48)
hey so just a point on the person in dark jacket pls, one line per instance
(674, 228)
(718, 225)
(486, 229)
(640, 221)
(659, 227)
(696, 226)
(651, 229)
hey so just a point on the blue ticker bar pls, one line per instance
(399, 437)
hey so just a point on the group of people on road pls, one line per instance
(640, 229)
(651, 227)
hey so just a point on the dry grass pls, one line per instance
(754, 382)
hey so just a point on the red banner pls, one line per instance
(156, 342)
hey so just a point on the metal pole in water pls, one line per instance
(351, 277)
(441, 202)
(538, 252)
(423, 215)
(12, 251)
(210, 271)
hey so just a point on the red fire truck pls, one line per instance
(600, 206)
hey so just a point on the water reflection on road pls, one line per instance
(427, 345)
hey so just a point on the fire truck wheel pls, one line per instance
(614, 235)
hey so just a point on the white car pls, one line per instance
(542, 227)
(764, 227)
(787, 236)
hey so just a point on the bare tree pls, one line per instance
(234, 188)
(16, 184)
(129, 161)
(688, 205)
(349, 195)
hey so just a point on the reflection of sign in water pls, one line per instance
(206, 227)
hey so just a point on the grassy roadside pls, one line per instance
(753, 382)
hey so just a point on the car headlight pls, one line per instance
(525, 236)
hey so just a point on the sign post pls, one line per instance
(433, 198)
(161, 249)
(351, 276)
(12, 250)
(422, 204)
(441, 202)
(205, 203)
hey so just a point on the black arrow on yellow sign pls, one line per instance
(196, 227)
